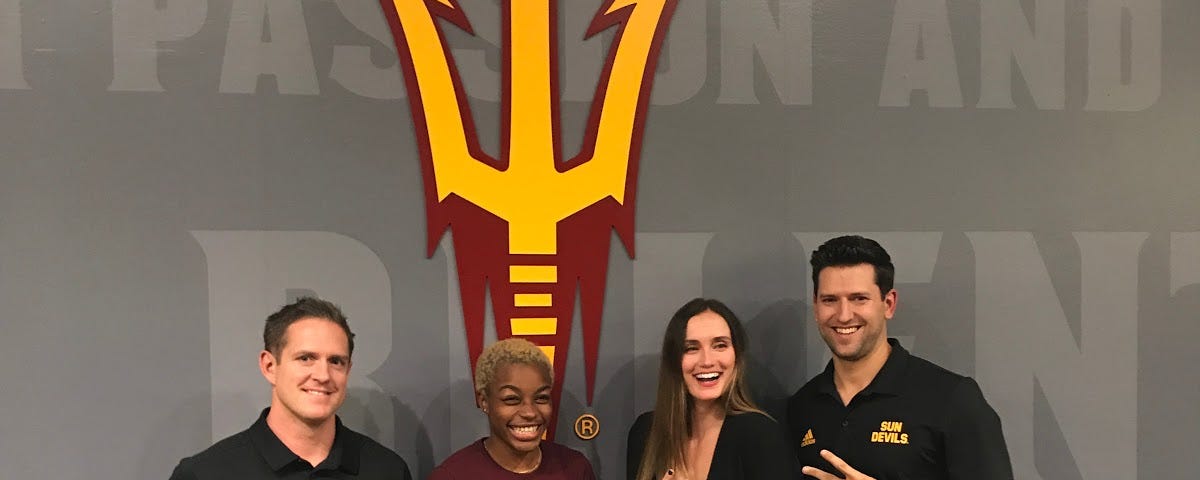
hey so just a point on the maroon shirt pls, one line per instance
(473, 462)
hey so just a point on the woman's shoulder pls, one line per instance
(751, 421)
(469, 455)
(563, 454)
(641, 425)
(558, 450)
(646, 418)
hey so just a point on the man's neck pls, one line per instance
(310, 442)
(852, 376)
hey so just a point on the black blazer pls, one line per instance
(751, 446)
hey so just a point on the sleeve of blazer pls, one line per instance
(405, 473)
(637, 444)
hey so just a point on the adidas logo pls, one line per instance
(808, 439)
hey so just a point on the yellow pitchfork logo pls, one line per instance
(529, 228)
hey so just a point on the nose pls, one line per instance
(844, 313)
(705, 357)
(527, 411)
(320, 371)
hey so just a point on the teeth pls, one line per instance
(845, 330)
(315, 392)
(708, 376)
(529, 429)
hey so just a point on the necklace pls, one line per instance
(535, 466)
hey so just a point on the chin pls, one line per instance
(524, 445)
(707, 396)
(318, 417)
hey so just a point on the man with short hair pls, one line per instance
(878, 411)
(306, 358)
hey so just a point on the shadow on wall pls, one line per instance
(183, 433)
(412, 438)
(566, 430)
(365, 410)
(776, 354)
(452, 421)
(613, 405)
(409, 435)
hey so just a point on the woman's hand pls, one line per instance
(673, 475)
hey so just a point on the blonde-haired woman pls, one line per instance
(704, 424)
(512, 386)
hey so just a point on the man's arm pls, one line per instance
(975, 448)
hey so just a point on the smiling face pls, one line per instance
(851, 313)
(517, 403)
(708, 357)
(308, 378)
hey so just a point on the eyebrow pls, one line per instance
(721, 338)
(517, 390)
(338, 356)
(848, 294)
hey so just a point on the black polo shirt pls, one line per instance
(256, 453)
(915, 420)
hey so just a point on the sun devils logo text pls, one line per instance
(529, 228)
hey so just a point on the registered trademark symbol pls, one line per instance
(587, 426)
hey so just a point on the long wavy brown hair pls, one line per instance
(673, 405)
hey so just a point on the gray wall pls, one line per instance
(171, 171)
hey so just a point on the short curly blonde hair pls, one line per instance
(512, 351)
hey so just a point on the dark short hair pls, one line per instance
(274, 333)
(851, 250)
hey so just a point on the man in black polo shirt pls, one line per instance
(306, 359)
(877, 411)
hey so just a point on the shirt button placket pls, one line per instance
(843, 439)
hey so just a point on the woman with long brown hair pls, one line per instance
(704, 424)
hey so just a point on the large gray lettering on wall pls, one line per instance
(1021, 334)
(582, 58)
(352, 65)
(12, 65)
(1040, 52)
(920, 56)
(1185, 260)
(138, 27)
(684, 56)
(1116, 80)
(668, 272)
(465, 425)
(681, 69)
(268, 37)
(479, 79)
(249, 274)
(914, 255)
(784, 45)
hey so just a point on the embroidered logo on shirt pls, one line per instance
(890, 432)
(808, 439)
